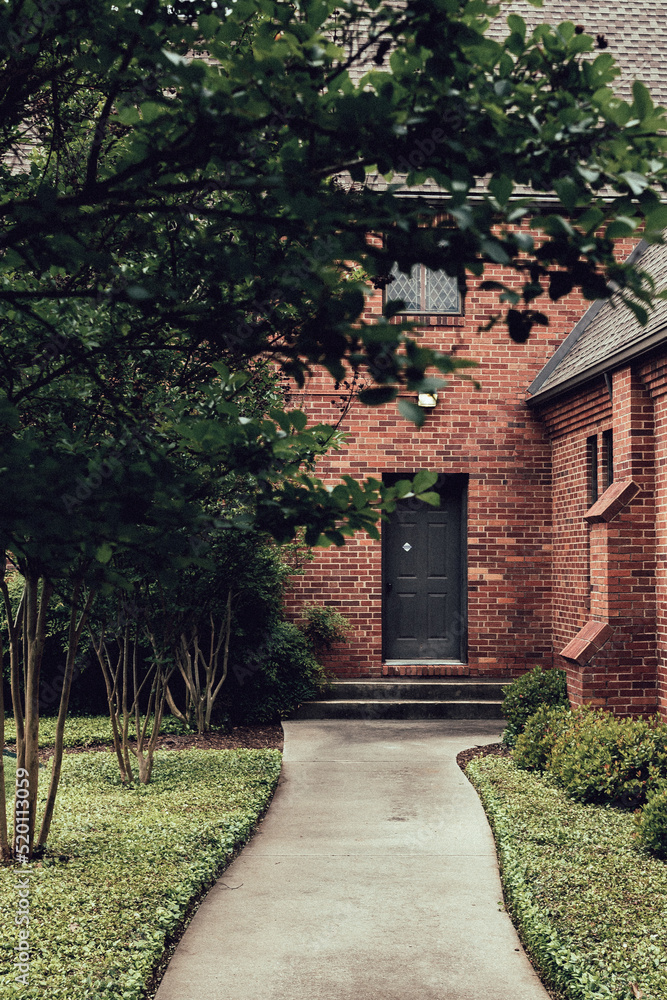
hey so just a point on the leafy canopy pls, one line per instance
(187, 188)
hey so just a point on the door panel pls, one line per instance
(423, 607)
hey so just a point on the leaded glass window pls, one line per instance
(424, 290)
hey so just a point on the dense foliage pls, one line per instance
(652, 824)
(589, 903)
(595, 756)
(323, 626)
(533, 747)
(124, 865)
(526, 694)
(186, 194)
(283, 674)
(80, 731)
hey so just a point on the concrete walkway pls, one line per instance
(372, 877)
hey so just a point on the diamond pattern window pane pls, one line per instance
(442, 293)
(424, 291)
(406, 287)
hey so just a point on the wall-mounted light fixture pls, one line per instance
(427, 400)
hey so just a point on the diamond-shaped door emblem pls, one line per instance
(407, 547)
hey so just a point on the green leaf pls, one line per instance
(415, 414)
(378, 395)
(431, 384)
(517, 25)
(402, 488)
(590, 220)
(656, 221)
(208, 24)
(392, 308)
(299, 419)
(590, 174)
(423, 480)
(137, 293)
(282, 419)
(568, 192)
(501, 187)
(642, 100)
(128, 115)
(638, 310)
(431, 498)
(495, 251)
(104, 553)
(358, 173)
(636, 182)
(621, 228)
(150, 111)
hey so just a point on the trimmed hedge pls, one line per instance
(652, 824)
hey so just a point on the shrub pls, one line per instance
(323, 626)
(611, 761)
(526, 694)
(652, 824)
(533, 747)
(283, 675)
(589, 906)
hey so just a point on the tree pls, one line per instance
(195, 189)
(215, 197)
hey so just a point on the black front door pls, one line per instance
(424, 611)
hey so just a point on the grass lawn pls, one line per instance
(123, 865)
(589, 903)
(83, 731)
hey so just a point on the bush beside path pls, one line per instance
(589, 902)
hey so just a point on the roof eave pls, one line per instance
(608, 364)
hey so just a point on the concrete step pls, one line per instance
(448, 689)
(408, 698)
(396, 708)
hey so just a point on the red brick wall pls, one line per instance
(492, 436)
(654, 375)
(537, 572)
(607, 571)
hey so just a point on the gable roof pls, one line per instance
(607, 335)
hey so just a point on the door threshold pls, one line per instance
(424, 663)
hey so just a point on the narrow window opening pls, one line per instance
(592, 466)
(608, 458)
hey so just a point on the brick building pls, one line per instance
(602, 400)
(508, 571)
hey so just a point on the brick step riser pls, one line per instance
(389, 709)
(431, 691)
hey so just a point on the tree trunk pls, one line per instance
(4, 837)
(191, 659)
(74, 635)
(175, 710)
(213, 692)
(111, 679)
(35, 635)
(14, 628)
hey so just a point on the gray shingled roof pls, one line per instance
(635, 36)
(634, 31)
(607, 333)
